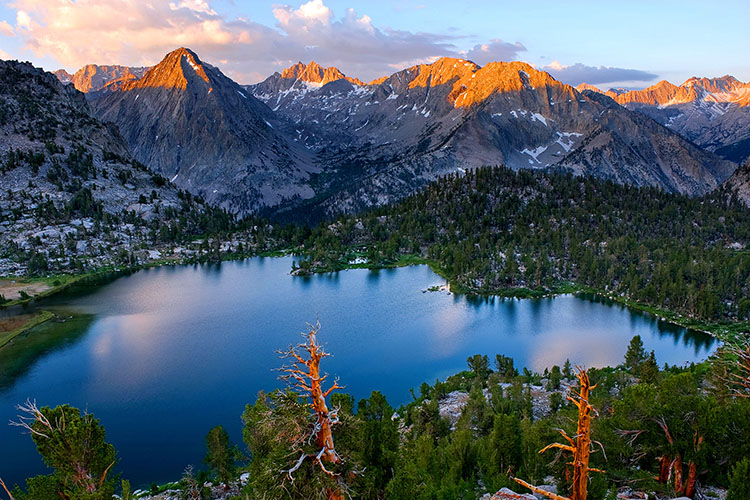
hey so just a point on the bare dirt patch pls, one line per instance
(11, 289)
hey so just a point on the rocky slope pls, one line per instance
(93, 78)
(712, 112)
(386, 139)
(190, 123)
(739, 184)
(72, 198)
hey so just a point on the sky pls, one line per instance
(629, 44)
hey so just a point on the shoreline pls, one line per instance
(722, 331)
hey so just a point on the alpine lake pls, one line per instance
(162, 355)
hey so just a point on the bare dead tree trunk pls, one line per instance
(580, 445)
(583, 439)
(679, 486)
(2, 483)
(664, 469)
(304, 375)
(735, 360)
(692, 476)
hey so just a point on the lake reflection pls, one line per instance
(163, 355)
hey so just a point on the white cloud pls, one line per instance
(6, 29)
(23, 20)
(4, 55)
(494, 50)
(313, 11)
(194, 5)
(135, 33)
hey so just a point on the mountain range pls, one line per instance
(712, 112)
(313, 141)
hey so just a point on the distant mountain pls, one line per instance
(586, 86)
(712, 112)
(384, 140)
(301, 77)
(189, 122)
(72, 196)
(92, 77)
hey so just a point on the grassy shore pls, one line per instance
(36, 319)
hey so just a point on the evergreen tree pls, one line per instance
(649, 370)
(75, 446)
(504, 365)
(220, 456)
(739, 481)
(479, 365)
(635, 354)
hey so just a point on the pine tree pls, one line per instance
(635, 354)
(220, 456)
(739, 481)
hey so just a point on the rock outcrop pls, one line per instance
(739, 184)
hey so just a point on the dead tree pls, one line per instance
(734, 359)
(304, 375)
(2, 483)
(580, 445)
(671, 468)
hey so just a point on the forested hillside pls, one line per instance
(494, 230)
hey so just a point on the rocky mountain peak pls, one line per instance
(316, 74)
(724, 83)
(725, 89)
(586, 86)
(444, 70)
(63, 76)
(659, 94)
(500, 77)
(178, 69)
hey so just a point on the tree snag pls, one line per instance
(303, 374)
(579, 445)
(2, 483)
(672, 467)
(734, 360)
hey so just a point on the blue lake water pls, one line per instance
(163, 355)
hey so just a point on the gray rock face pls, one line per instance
(384, 140)
(190, 123)
(739, 184)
